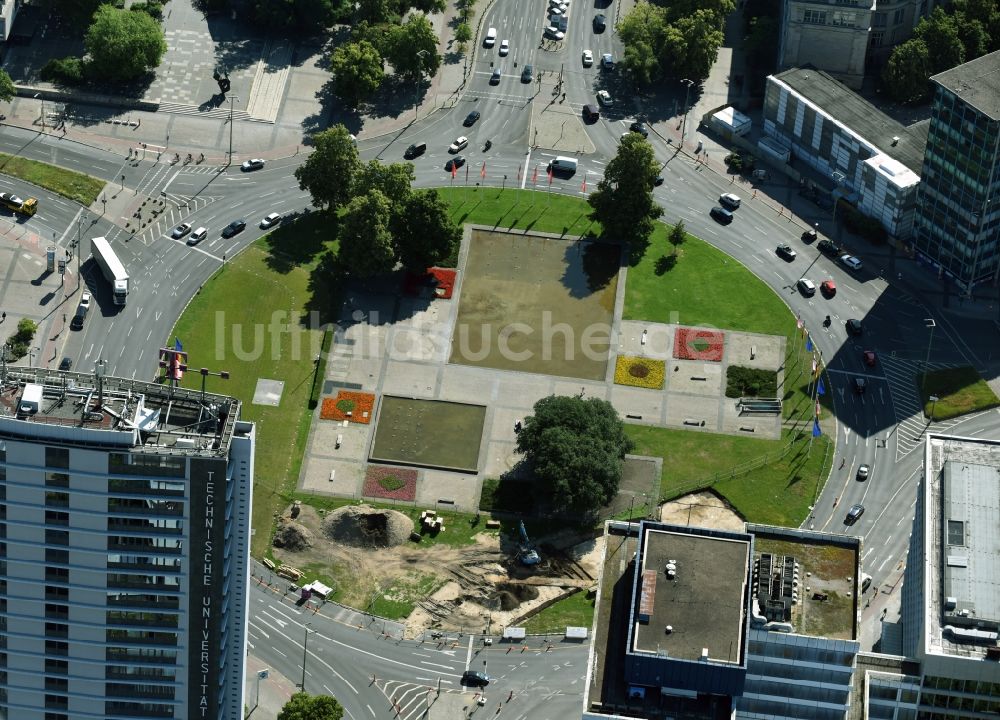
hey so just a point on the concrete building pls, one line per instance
(8, 11)
(958, 225)
(124, 537)
(701, 623)
(871, 160)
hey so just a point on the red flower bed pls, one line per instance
(392, 483)
(696, 344)
(359, 404)
(441, 279)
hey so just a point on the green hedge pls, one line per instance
(751, 382)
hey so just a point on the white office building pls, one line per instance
(124, 538)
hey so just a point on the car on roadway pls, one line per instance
(863, 472)
(198, 235)
(588, 58)
(828, 288)
(418, 148)
(180, 231)
(553, 32)
(600, 23)
(491, 37)
(455, 163)
(869, 358)
(850, 262)
(474, 678)
(270, 220)
(854, 327)
(639, 127)
(254, 164)
(527, 73)
(854, 514)
(471, 118)
(66, 363)
(460, 143)
(806, 286)
(236, 226)
(504, 47)
(495, 77)
(785, 251)
(808, 236)
(730, 200)
(658, 181)
(721, 215)
(85, 301)
(608, 61)
(604, 97)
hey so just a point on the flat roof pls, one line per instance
(961, 539)
(976, 82)
(848, 109)
(111, 412)
(704, 603)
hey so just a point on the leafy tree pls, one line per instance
(357, 70)
(685, 8)
(623, 201)
(330, 172)
(944, 46)
(375, 12)
(575, 448)
(302, 706)
(7, 90)
(907, 72)
(985, 12)
(412, 48)
(640, 62)
(425, 6)
(463, 34)
(677, 236)
(975, 39)
(425, 232)
(122, 44)
(366, 246)
(308, 15)
(691, 45)
(644, 23)
(393, 180)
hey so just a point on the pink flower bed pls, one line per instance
(696, 344)
(392, 483)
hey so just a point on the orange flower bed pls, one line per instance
(359, 404)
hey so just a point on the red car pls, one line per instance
(869, 357)
(828, 288)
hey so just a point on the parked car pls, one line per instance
(869, 358)
(197, 236)
(270, 220)
(85, 301)
(828, 288)
(854, 514)
(863, 472)
(527, 73)
(471, 118)
(809, 236)
(474, 678)
(554, 33)
(730, 200)
(600, 23)
(850, 262)
(588, 58)
(860, 385)
(785, 251)
(459, 144)
(604, 97)
(721, 215)
(607, 61)
(658, 181)
(854, 327)
(829, 248)
(455, 163)
(504, 47)
(255, 164)
(236, 226)
(806, 287)
(639, 127)
(180, 231)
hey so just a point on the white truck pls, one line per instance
(112, 268)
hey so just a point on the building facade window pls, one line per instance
(814, 17)
(875, 39)
(57, 457)
(897, 17)
(878, 20)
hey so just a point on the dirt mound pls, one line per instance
(366, 527)
(511, 596)
(292, 536)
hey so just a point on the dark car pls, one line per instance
(639, 127)
(809, 236)
(658, 181)
(600, 23)
(414, 150)
(255, 164)
(471, 118)
(854, 327)
(66, 363)
(869, 358)
(455, 163)
(474, 678)
(236, 226)
(854, 514)
(495, 77)
(785, 251)
(863, 472)
(721, 215)
(527, 73)
(829, 248)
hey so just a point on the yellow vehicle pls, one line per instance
(13, 202)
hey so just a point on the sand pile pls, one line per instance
(366, 527)
(292, 536)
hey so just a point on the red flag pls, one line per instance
(550, 174)
(454, 171)
(482, 170)
(518, 174)
(798, 322)
(534, 176)
(584, 188)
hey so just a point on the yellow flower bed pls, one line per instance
(639, 372)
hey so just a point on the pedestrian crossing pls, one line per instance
(911, 423)
(410, 700)
(221, 113)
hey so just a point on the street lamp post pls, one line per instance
(31, 356)
(37, 96)
(928, 323)
(261, 675)
(231, 98)
(305, 646)
(416, 104)
(687, 92)
(933, 399)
